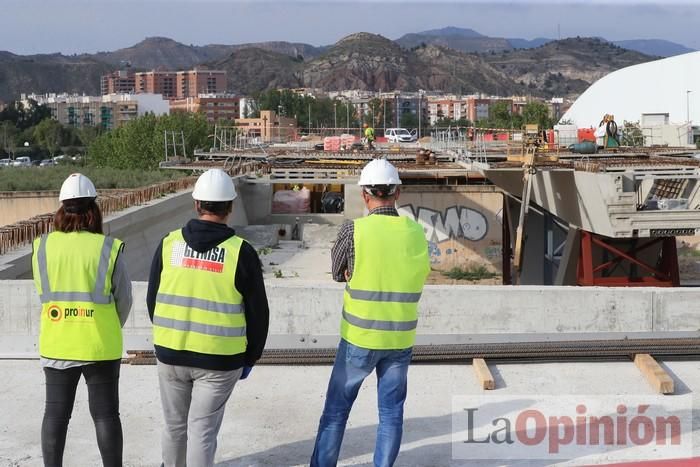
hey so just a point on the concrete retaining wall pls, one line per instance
(306, 314)
(463, 224)
(17, 206)
(140, 227)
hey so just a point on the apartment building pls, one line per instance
(107, 112)
(118, 82)
(269, 127)
(215, 107)
(452, 109)
(157, 82)
(181, 84)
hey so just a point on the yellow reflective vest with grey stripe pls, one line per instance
(73, 275)
(380, 303)
(197, 306)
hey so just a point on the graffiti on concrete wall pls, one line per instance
(454, 223)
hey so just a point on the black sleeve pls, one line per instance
(249, 282)
(154, 280)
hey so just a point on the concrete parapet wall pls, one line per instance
(307, 314)
(140, 227)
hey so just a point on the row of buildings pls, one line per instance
(127, 95)
(169, 84)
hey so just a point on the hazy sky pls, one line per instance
(75, 26)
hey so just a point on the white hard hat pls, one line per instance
(379, 172)
(214, 185)
(77, 186)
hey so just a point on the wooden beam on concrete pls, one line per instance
(483, 374)
(657, 377)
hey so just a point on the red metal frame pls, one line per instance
(663, 275)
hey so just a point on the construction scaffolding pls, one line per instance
(174, 145)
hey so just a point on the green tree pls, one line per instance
(49, 135)
(8, 132)
(25, 117)
(632, 134)
(537, 112)
(408, 120)
(140, 143)
(500, 115)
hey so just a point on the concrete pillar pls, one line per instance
(257, 201)
(354, 206)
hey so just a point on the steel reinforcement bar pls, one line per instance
(24, 232)
(526, 351)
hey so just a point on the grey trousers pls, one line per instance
(193, 407)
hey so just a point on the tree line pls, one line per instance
(30, 131)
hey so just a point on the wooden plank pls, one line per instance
(655, 375)
(483, 374)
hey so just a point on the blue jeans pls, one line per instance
(352, 365)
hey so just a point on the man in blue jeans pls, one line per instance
(384, 259)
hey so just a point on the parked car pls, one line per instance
(5, 162)
(47, 163)
(399, 135)
(22, 161)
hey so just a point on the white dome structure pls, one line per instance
(655, 87)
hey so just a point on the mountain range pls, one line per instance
(468, 40)
(449, 59)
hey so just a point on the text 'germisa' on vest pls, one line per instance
(198, 307)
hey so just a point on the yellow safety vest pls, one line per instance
(369, 133)
(73, 276)
(380, 303)
(197, 306)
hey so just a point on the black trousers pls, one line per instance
(103, 394)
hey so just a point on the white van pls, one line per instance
(399, 135)
(22, 161)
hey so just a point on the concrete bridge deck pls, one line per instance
(272, 417)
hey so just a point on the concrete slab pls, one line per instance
(272, 417)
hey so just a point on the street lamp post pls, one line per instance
(687, 110)
(420, 98)
(279, 123)
(384, 113)
(335, 118)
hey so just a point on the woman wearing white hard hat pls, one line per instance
(85, 295)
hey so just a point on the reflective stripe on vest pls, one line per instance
(380, 325)
(188, 326)
(191, 302)
(73, 275)
(380, 304)
(374, 296)
(96, 296)
(198, 308)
